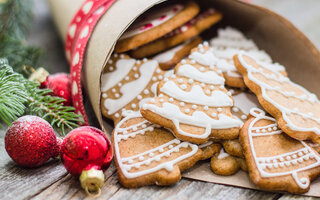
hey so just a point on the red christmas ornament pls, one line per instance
(59, 83)
(87, 152)
(30, 141)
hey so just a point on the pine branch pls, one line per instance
(15, 20)
(19, 96)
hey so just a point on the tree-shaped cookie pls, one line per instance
(275, 160)
(126, 83)
(296, 110)
(147, 154)
(193, 102)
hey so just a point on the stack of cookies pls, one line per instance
(166, 120)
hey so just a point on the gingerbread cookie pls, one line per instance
(193, 28)
(147, 154)
(296, 110)
(224, 164)
(275, 160)
(233, 147)
(155, 23)
(171, 57)
(228, 43)
(209, 149)
(126, 83)
(193, 102)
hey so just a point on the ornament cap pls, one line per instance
(40, 75)
(92, 181)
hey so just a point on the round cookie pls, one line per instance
(233, 147)
(171, 57)
(155, 24)
(193, 28)
(224, 164)
(127, 83)
(209, 149)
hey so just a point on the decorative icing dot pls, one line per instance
(305, 151)
(235, 109)
(306, 157)
(213, 114)
(274, 128)
(311, 156)
(171, 99)
(148, 162)
(269, 166)
(229, 93)
(134, 128)
(205, 43)
(127, 78)
(151, 154)
(187, 110)
(139, 97)
(111, 68)
(104, 95)
(122, 56)
(211, 67)
(202, 69)
(288, 158)
(183, 61)
(161, 150)
(288, 164)
(158, 71)
(300, 160)
(221, 87)
(194, 106)
(206, 107)
(219, 71)
(146, 91)
(281, 164)
(117, 95)
(115, 55)
(193, 62)
(117, 115)
(154, 78)
(166, 79)
(113, 90)
(144, 126)
(158, 159)
(161, 100)
(190, 81)
(294, 162)
(135, 68)
(141, 158)
(160, 77)
(138, 62)
(144, 59)
(160, 95)
(219, 109)
(181, 103)
(133, 105)
(173, 76)
(300, 154)
(208, 91)
(211, 87)
(200, 45)
(245, 117)
(136, 75)
(263, 130)
(180, 80)
(294, 156)
(281, 159)
(170, 146)
(183, 86)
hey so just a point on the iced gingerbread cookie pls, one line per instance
(224, 164)
(193, 102)
(296, 110)
(147, 154)
(155, 23)
(275, 160)
(171, 57)
(192, 28)
(126, 83)
(209, 149)
(228, 43)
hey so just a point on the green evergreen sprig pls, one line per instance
(19, 96)
(15, 21)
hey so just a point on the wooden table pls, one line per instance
(51, 181)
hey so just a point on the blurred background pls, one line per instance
(304, 14)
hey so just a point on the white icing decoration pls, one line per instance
(307, 97)
(222, 154)
(207, 58)
(132, 89)
(108, 80)
(156, 18)
(196, 95)
(291, 157)
(210, 77)
(198, 118)
(145, 158)
(168, 55)
(201, 146)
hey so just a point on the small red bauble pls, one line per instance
(60, 85)
(30, 141)
(87, 152)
